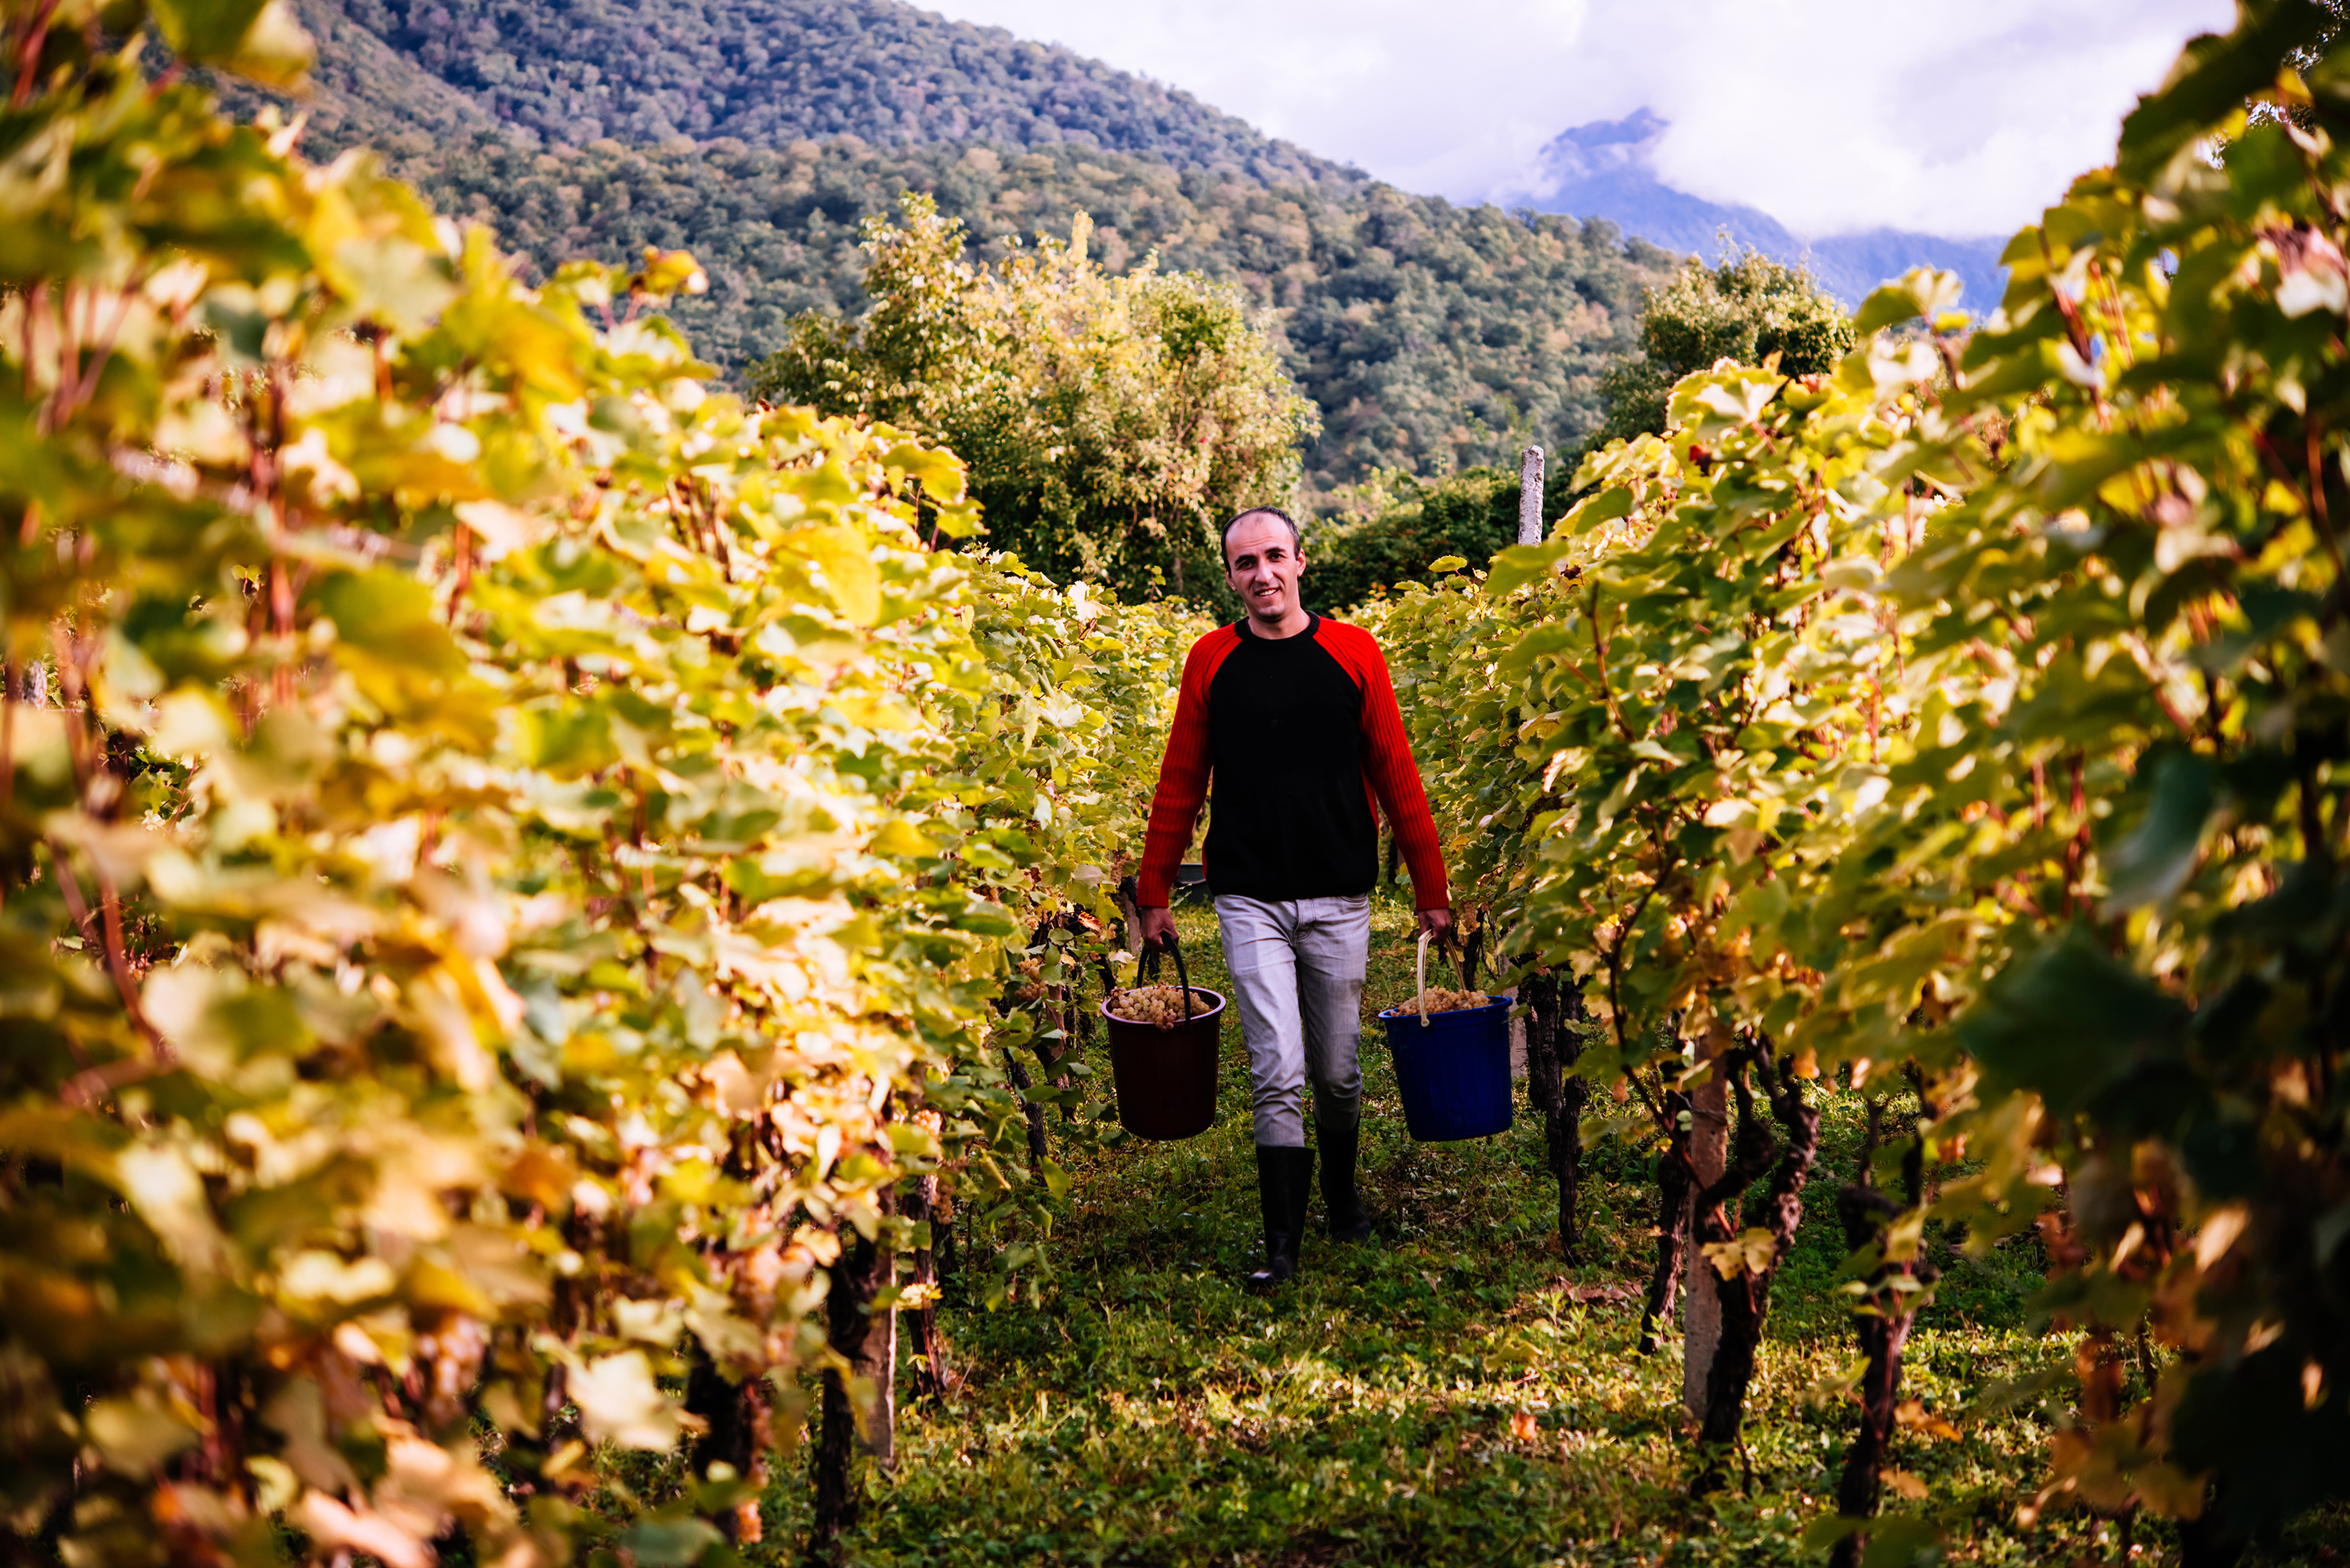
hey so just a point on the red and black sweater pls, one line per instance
(1301, 734)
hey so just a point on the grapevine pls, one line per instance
(1960, 722)
(516, 859)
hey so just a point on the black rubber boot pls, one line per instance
(1284, 1179)
(1342, 1201)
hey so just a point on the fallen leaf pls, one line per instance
(1913, 1415)
(1610, 1294)
(1905, 1483)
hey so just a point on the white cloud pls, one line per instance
(1390, 85)
(1955, 117)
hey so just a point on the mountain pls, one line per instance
(363, 90)
(771, 72)
(1433, 337)
(1605, 170)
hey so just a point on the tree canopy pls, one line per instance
(1397, 525)
(1746, 308)
(1110, 420)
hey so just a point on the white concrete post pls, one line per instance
(1530, 496)
(1530, 532)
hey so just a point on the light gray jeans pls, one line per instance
(1297, 973)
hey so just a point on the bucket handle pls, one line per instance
(1146, 962)
(1182, 974)
(1420, 979)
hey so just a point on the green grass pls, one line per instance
(1437, 1398)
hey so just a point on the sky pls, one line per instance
(1951, 117)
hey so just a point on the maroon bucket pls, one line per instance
(1166, 1077)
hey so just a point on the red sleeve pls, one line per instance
(1388, 765)
(1183, 774)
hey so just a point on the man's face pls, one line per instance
(1263, 564)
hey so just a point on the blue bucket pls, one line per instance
(1454, 1071)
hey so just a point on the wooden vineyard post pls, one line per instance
(877, 1364)
(866, 1339)
(1672, 1220)
(735, 1411)
(928, 1346)
(1553, 1010)
(1708, 1150)
(870, 1342)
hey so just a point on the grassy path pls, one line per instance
(1440, 1398)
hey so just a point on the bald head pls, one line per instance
(1258, 514)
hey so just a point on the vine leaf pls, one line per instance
(2153, 861)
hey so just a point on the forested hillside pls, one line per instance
(1429, 335)
(772, 71)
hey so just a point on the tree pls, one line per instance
(1109, 422)
(1746, 307)
(910, 360)
(1394, 536)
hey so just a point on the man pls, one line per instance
(1294, 718)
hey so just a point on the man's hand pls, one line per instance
(1437, 923)
(1158, 929)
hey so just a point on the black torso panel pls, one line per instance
(1290, 817)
